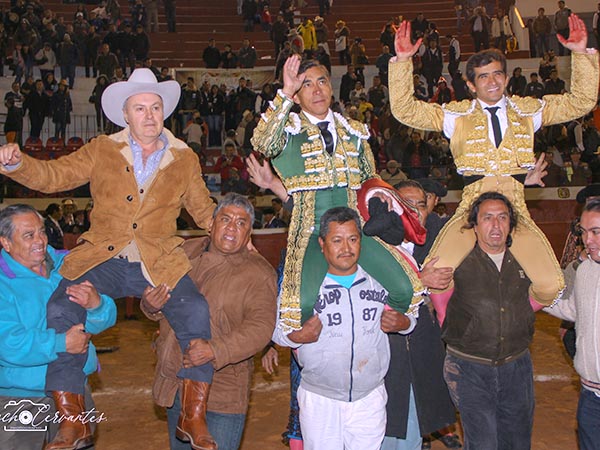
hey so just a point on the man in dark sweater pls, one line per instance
(488, 329)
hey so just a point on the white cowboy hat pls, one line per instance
(141, 81)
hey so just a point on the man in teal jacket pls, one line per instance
(28, 276)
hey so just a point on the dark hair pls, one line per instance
(492, 195)
(52, 208)
(533, 74)
(277, 200)
(483, 58)
(233, 199)
(592, 206)
(340, 214)
(7, 227)
(309, 64)
(409, 183)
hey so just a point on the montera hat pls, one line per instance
(141, 81)
(592, 190)
(433, 186)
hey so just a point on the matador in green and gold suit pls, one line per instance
(501, 168)
(318, 181)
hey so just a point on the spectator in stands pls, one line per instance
(138, 14)
(243, 99)
(307, 30)
(419, 24)
(392, 173)
(228, 160)
(382, 63)
(433, 63)
(96, 100)
(38, 105)
(53, 231)
(106, 62)
(500, 30)
(141, 44)
(164, 74)
(556, 176)
(67, 222)
(542, 27)
(378, 95)
(92, 45)
(26, 34)
(534, 88)
(194, 134)
(170, 15)
(50, 84)
(321, 33)
(577, 172)
(61, 107)
(247, 55)
(443, 93)
(386, 38)
(211, 55)
(279, 32)
(18, 62)
(296, 42)
(554, 85)
(453, 54)
(151, 23)
(479, 25)
(561, 24)
(68, 58)
(459, 85)
(270, 220)
(234, 183)
(119, 75)
(148, 64)
(358, 57)
(3, 47)
(342, 38)
(547, 64)
(517, 83)
(280, 212)
(262, 100)
(188, 103)
(13, 124)
(125, 46)
(46, 60)
(249, 11)
(416, 160)
(228, 58)
(216, 108)
(348, 83)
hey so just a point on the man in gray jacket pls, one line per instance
(343, 351)
(581, 307)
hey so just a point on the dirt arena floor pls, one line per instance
(122, 393)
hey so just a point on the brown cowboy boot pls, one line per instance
(71, 435)
(192, 420)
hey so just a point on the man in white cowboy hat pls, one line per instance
(140, 178)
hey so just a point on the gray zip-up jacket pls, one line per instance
(352, 354)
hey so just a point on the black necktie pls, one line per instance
(327, 136)
(495, 124)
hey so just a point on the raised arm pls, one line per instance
(405, 107)
(584, 79)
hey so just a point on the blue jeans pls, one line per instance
(226, 429)
(413, 440)
(186, 311)
(495, 403)
(588, 420)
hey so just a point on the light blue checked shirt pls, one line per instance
(142, 173)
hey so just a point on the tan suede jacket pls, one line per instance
(119, 215)
(241, 291)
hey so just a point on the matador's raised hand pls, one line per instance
(292, 82)
(405, 49)
(577, 35)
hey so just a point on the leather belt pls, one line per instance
(485, 361)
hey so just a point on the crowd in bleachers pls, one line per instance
(213, 116)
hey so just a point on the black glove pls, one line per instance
(384, 224)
